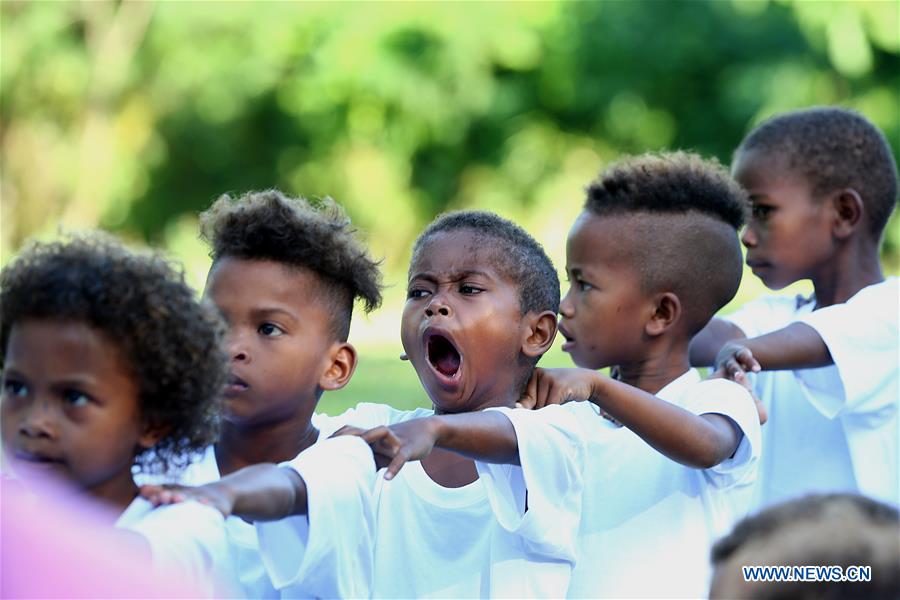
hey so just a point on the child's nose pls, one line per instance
(566, 307)
(437, 306)
(237, 348)
(749, 237)
(39, 420)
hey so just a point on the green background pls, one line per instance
(134, 116)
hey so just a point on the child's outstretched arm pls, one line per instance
(263, 492)
(699, 441)
(706, 344)
(797, 346)
(487, 436)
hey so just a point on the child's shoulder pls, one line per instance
(769, 313)
(366, 415)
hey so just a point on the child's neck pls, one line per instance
(662, 365)
(276, 442)
(117, 493)
(452, 470)
(855, 267)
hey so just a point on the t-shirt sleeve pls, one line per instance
(549, 482)
(862, 337)
(366, 415)
(764, 315)
(329, 552)
(722, 397)
(187, 540)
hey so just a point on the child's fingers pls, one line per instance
(761, 409)
(529, 397)
(545, 391)
(347, 430)
(396, 464)
(376, 435)
(748, 362)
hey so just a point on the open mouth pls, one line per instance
(443, 355)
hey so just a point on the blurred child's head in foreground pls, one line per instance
(827, 530)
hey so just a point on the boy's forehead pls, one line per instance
(458, 253)
(259, 280)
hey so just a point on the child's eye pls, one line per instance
(583, 285)
(416, 293)
(270, 330)
(469, 290)
(76, 398)
(761, 211)
(14, 389)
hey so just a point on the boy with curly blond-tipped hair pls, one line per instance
(285, 275)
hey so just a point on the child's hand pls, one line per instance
(734, 361)
(211, 494)
(557, 386)
(401, 443)
(745, 382)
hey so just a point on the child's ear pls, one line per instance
(667, 312)
(340, 368)
(152, 434)
(848, 212)
(539, 333)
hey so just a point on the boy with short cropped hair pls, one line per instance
(823, 184)
(285, 275)
(481, 310)
(835, 535)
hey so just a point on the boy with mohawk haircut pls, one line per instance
(823, 184)
(285, 275)
(653, 255)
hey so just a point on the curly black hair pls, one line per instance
(518, 256)
(833, 148)
(172, 343)
(315, 235)
(684, 213)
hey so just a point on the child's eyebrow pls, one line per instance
(273, 311)
(451, 277)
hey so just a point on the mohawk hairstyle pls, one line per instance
(298, 233)
(172, 343)
(834, 148)
(517, 255)
(685, 212)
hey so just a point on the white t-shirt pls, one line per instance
(834, 428)
(251, 575)
(187, 540)
(648, 523)
(473, 541)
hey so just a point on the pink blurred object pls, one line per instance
(55, 543)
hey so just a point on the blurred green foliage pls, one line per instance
(134, 116)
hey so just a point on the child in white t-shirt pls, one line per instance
(285, 275)
(660, 490)
(110, 363)
(481, 310)
(822, 184)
